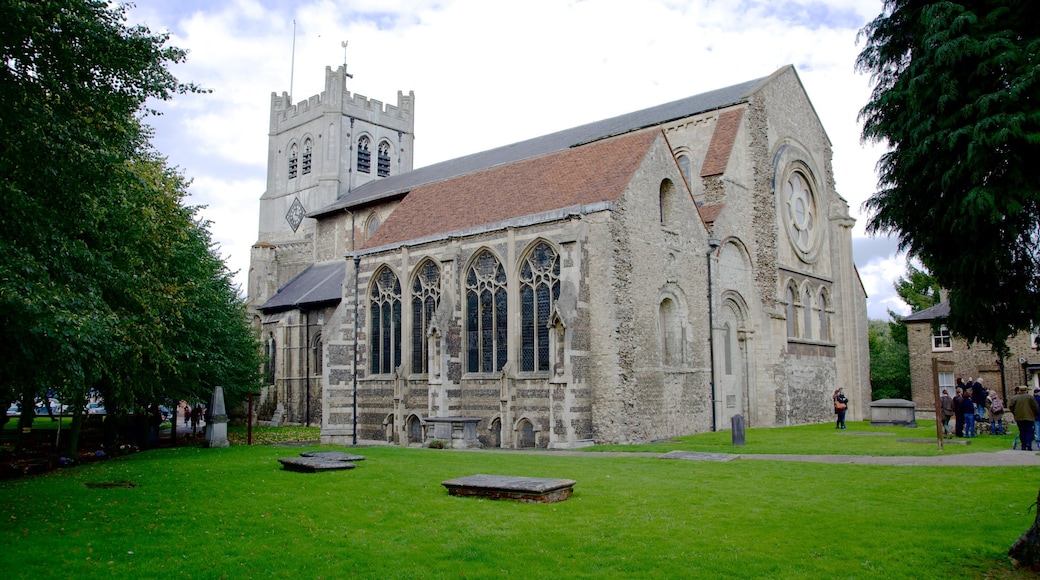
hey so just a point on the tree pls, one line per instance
(956, 97)
(105, 276)
(889, 363)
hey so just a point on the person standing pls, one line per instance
(958, 410)
(1025, 409)
(978, 396)
(946, 404)
(968, 409)
(841, 405)
(996, 413)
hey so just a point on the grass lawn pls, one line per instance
(213, 513)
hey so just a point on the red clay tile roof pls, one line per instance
(710, 213)
(587, 174)
(717, 157)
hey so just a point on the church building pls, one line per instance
(637, 278)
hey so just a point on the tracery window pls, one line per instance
(293, 161)
(383, 159)
(801, 215)
(364, 156)
(385, 314)
(486, 322)
(539, 290)
(426, 294)
(307, 151)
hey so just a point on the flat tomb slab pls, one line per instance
(313, 464)
(333, 455)
(524, 489)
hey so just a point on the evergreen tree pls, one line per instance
(957, 98)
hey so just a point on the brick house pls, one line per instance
(937, 359)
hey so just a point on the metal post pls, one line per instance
(713, 244)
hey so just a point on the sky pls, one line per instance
(487, 73)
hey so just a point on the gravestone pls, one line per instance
(216, 423)
(737, 427)
(888, 412)
(523, 489)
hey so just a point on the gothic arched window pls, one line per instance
(486, 337)
(671, 333)
(807, 314)
(539, 290)
(307, 150)
(426, 294)
(364, 155)
(383, 159)
(825, 331)
(385, 315)
(293, 160)
(792, 322)
(685, 167)
(316, 355)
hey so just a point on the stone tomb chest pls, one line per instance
(899, 412)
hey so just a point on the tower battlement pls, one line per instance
(336, 98)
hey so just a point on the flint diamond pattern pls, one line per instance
(295, 214)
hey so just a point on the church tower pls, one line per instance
(321, 149)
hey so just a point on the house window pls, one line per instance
(385, 314)
(307, 150)
(293, 161)
(807, 315)
(364, 156)
(539, 290)
(426, 294)
(946, 382)
(486, 330)
(825, 329)
(792, 322)
(941, 339)
(383, 159)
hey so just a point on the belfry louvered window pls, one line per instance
(293, 161)
(385, 314)
(364, 155)
(486, 328)
(539, 290)
(307, 149)
(383, 160)
(426, 294)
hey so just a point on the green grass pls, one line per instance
(860, 438)
(212, 513)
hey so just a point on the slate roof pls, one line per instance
(582, 176)
(940, 310)
(319, 284)
(400, 184)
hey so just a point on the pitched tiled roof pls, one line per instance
(710, 213)
(396, 185)
(940, 310)
(584, 175)
(319, 284)
(721, 146)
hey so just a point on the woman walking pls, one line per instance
(841, 405)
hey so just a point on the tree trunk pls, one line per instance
(79, 401)
(1025, 552)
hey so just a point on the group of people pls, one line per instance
(194, 415)
(973, 404)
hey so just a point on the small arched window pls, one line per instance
(807, 314)
(426, 294)
(792, 321)
(316, 355)
(373, 225)
(825, 330)
(685, 167)
(383, 159)
(671, 333)
(667, 202)
(385, 314)
(307, 151)
(293, 161)
(364, 155)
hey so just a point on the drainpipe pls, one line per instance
(713, 244)
(307, 370)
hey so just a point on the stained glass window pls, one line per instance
(539, 290)
(486, 323)
(364, 156)
(385, 317)
(426, 294)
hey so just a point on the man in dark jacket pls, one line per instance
(978, 396)
(1025, 409)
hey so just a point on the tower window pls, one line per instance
(307, 156)
(364, 156)
(383, 161)
(293, 161)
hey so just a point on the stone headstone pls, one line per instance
(737, 425)
(216, 423)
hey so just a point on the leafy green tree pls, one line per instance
(107, 280)
(957, 98)
(889, 363)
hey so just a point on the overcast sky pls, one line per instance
(487, 73)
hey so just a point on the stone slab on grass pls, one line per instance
(699, 456)
(313, 464)
(333, 455)
(509, 487)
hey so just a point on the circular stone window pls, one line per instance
(801, 215)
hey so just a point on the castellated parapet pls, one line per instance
(336, 98)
